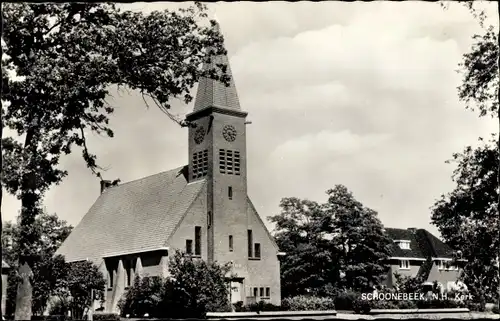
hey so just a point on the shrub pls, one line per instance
(307, 303)
(260, 306)
(383, 304)
(496, 308)
(344, 300)
(106, 316)
(406, 305)
(194, 288)
(437, 304)
(361, 306)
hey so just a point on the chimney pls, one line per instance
(104, 185)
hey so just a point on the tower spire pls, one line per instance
(213, 93)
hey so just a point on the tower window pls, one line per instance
(229, 162)
(230, 243)
(189, 247)
(250, 243)
(255, 292)
(230, 192)
(200, 164)
(197, 240)
(261, 292)
(257, 250)
(268, 292)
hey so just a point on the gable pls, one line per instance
(402, 234)
(255, 217)
(133, 217)
(422, 244)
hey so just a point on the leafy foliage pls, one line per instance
(83, 279)
(308, 303)
(479, 88)
(65, 56)
(193, 289)
(47, 270)
(468, 220)
(339, 244)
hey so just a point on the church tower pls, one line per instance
(217, 153)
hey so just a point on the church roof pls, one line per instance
(133, 217)
(212, 93)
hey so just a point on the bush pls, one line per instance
(194, 288)
(260, 306)
(406, 305)
(344, 300)
(307, 303)
(361, 306)
(496, 309)
(106, 316)
(437, 304)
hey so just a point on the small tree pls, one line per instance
(83, 278)
(146, 295)
(47, 270)
(196, 287)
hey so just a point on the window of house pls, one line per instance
(200, 164)
(261, 292)
(230, 192)
(257, 250)
(404, 265)
(209, 219)
(268, 292)
(255, 292)
(189, 246)
(229, 162)
(405, 245)
(230, 243)
(197, 240)
(250, 243)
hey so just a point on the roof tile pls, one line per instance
(132, 217)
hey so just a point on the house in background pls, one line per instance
(202, 209)
(416, 252)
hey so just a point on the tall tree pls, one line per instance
(65, 57)
(359, 235)
(468, 219)
(336, 245)
(299, 232)
(480, 90)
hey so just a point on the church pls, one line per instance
(201, 208)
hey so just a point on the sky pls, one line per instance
(359, 94)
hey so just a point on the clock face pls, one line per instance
(199, 135)
(229, 133)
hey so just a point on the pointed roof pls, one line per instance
(213, 93)
(422, 244)
(133, 217)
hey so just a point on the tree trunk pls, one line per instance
(29, 210)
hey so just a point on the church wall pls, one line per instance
(196, 216)
(266, 271)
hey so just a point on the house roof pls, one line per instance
(133, 217)
(422, 244)
(212, 93)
